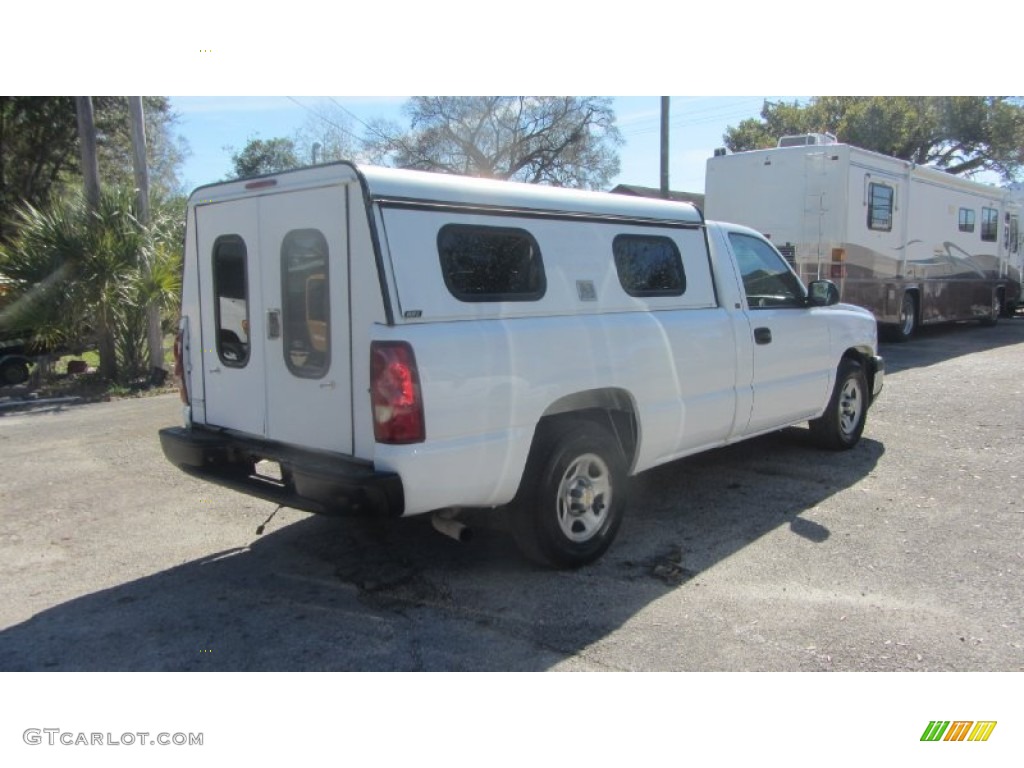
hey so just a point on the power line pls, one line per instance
(328, 121)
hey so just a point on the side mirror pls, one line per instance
(822, 293)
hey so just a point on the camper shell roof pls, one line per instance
(395, 186)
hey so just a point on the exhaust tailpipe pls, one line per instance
(445, 522)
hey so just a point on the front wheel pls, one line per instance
(842, 424)
(572, 498)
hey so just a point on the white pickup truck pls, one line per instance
(400, 343)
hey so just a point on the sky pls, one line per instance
(214, 127)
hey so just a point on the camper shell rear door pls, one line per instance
(275, 316)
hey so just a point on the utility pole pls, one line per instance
(664, 147)
(87, 140)
(154, 334)
(91, 174)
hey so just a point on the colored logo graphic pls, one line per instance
(958, 730)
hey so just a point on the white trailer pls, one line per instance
(913, 244)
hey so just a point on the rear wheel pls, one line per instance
(907, 323)
(572, 498)
(996, 311)
(842, 424)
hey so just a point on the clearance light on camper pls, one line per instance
(395, 393)
(261, 184)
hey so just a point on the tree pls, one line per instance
(76, 275)
(39, 150)
(329, 131)
(165, 151)
(564, 141)
(962, 135)
(259, 157)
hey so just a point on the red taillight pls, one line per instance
(179, 368)
(395, 394)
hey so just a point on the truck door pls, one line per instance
(275, 318)
(791, 360)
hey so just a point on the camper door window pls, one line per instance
(231, 307)
(305, 296)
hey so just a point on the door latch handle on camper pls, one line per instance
(763, 335)
(328, 385)
(215, 370)
(273, 323)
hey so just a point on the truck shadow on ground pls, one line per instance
(935, 344)
(340, 594)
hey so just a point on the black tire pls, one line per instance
(842, 424)
(907, 325)
(13, 372)
(572, 497)
(996, 312)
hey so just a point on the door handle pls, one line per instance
(763, 335)
(273, 323)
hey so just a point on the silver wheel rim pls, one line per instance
(584, 498)
(907, 314)
(851, 405)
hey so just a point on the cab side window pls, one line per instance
(767, 279)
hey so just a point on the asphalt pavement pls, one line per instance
(903, 554)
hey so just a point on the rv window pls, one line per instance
(231, 306)
(305, 299)
(768, 281)
(989, 224)
(490, 263)
(966, 220)
(1014, 229)
(648, 265)
(880, 207)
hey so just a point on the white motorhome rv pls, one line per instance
(403, 343)
(913, 244)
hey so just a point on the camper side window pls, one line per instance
(881, 198)
(649, 265)
(989, 224)
(482, 263)
(231, 305)
(306, 311)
